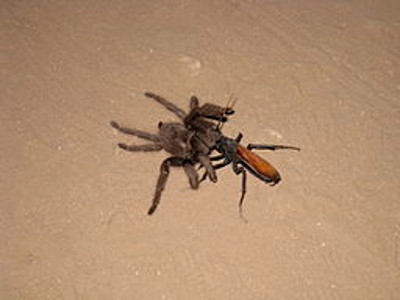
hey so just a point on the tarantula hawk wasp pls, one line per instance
(189, 142)
(244, 159)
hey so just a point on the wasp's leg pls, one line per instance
(218, 157)
(216, 167)
(271, 147)
(239, 137)
(240, 170)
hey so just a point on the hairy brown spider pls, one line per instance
(189, 142)
(203, 133)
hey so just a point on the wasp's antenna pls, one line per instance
(228, 109)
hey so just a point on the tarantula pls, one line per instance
(189, 142)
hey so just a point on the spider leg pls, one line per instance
(146, 148)
(135, 132)
(206, 111)
(215, 112)
(192, 175)
(216, 167)
(180, 113)
(162, 179)
(206, 163)
(271, 147)
(214, 158)
(194, 103)
(219, 157)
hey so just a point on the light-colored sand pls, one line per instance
(322, 75)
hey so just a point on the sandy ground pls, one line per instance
(322, 75)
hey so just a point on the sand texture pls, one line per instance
(321, 75)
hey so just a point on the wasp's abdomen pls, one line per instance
(264, 169)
